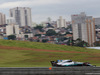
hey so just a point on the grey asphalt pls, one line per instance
(50, 71)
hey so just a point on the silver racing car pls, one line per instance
(65, 63)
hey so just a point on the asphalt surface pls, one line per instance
(51, 71)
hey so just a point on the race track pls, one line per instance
(51, 71)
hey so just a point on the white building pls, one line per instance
(84, 28)
(34, 24)
(22, 16)
(61, 22)
(44, 24)
(2, 19)
(12, 29)
(23, 35)
(10, 21)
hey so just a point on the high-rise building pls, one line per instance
(97, 27)
(12, 30)
(84, 28)
(61, 22)
(2, 19)
(22, 16)
(97, 23)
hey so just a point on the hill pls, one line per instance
(33, 54)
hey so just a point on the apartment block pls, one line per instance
(61, 22)
(84, 28)
(22, 16)
(2, 19)
(12, 30)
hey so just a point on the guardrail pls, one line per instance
(51, 71)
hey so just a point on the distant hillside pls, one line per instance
(33, 54)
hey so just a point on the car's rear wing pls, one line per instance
(53, 63)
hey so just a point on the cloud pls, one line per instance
(42, 9)
(38, 18)
(23, 3)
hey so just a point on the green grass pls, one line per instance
(37, 45)
(29, 58)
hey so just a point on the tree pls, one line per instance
(69, 27)
(26, 36)
(12, 37)
(97, 43)
(70, 41)
(38, 35)
(39, 28)
(80, 43)
(50, 32)
(44, 40)
(68, 33)
(62, 38)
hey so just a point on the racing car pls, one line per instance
(66, 63)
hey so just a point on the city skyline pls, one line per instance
(42, 9)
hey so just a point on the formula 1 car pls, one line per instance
(66, 63)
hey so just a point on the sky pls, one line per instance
(42, 9)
